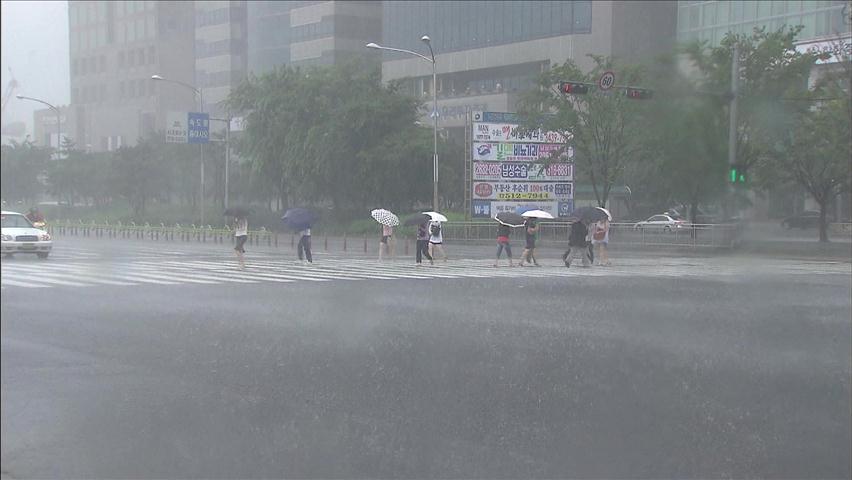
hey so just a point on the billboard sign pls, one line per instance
(518, 152)
(523, 191)
(507, 132)
(176, 127)
(508, 171)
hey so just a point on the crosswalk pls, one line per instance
(173, 270)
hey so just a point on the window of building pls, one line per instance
(152, 55)
(120, 60)
(74, 67)
(93, 38)
(93, 65)
(102, 63)
(131, 88)
(102, 93)
(121, 89)
(131, 31)
(140, 56)
(151, 25)
(140, 28)
(102, 35)
(131, 58)
(83, 65)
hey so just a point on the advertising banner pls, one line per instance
(176, 128)
(507, 132)
(518, 152)
(490, 208)
(523, 191)
(508, 171)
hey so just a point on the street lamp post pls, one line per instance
(58, 121)
(227, 153)
(428, 41)
(200, 94)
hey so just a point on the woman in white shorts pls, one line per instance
(436, 239)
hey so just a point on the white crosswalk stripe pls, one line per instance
(171, 270)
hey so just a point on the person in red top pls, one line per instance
(503, 242)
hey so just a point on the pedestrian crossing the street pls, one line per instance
(175, 271)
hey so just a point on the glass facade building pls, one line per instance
(463, 25)
(711, 20)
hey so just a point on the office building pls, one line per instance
(488, 52)
(303, 33)
(711, 20)
(115, 48)
(221, 50)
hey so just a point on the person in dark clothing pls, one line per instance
(528, 255)
(503, 232)
(423, 243)
(577, 244)
(304, 247)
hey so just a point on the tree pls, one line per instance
(21, 168)
(333, 134)
(605, 128)
(139, 174)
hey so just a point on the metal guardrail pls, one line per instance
(550, 233)
(556, 233)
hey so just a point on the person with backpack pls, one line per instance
(436, 239)
(423, 243)
(577, 244)
(528, 255)
(600, 241)
(503, 232)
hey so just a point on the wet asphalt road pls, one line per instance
(587, 377)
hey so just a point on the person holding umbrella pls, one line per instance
(423, 243)
(528, 255)
(436, 234)
(388, 221)
(577, 244)
(301, 219)
(506, 221)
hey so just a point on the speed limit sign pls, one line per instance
(606, 81)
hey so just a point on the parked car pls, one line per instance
(20, 236)
(665, 223)
(806, 219)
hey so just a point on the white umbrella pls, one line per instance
(385, 217)
(536, 214)
(608, 215)
(436, 217)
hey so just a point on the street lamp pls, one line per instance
(201, 145)
(428, 41)
(58, 120)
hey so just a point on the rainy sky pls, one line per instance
(35, 45)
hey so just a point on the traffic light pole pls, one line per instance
(732, 130)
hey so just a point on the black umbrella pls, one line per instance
(239, 212)
(299, 218)
(510, 219)
(589, 214)
(416, 219)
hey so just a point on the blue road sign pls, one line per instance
(198, 127)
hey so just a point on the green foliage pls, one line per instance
(606, 129)
(334, 134)
(21, 165)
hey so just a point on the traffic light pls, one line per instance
(737, 174)
(574, 88)
(639, 93)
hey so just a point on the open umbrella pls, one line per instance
(385, 217)
(416, 219)
(510, 219)
(537, 214)
(435, 216)
(608, 215)
(239, 212)
(520, 209)
(590, 214)
(299, 218)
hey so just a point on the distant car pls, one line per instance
(665, 223)
(19, 236)
(806, 219)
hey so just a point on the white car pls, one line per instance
(19, 236)
(663, 223)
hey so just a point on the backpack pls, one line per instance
(435, 229)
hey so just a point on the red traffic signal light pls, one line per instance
(573, 88)
(639, 93)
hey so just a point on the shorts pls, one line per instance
(435, 243)
(385, 239)
(530, 244)
(241, 240)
